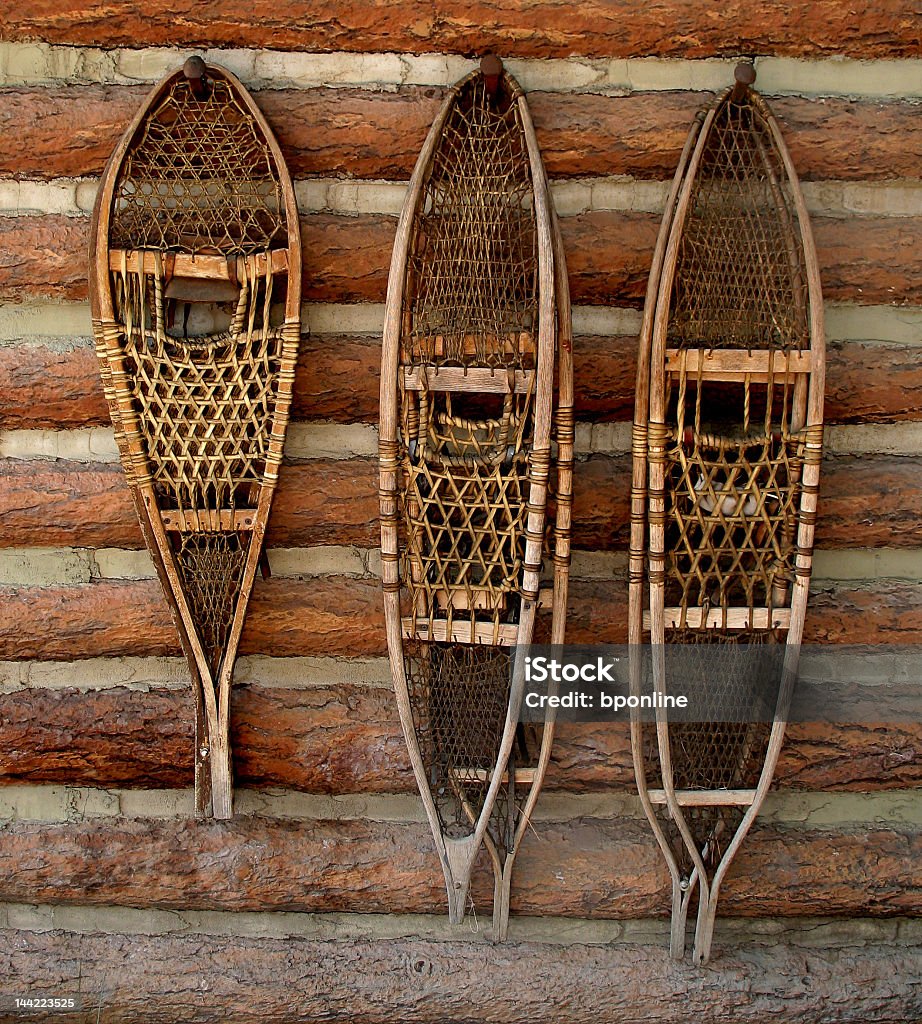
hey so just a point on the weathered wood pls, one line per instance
(378, 134)
(732, 618)
(864, 259)
(335, 615)
(867, 501)
(544, 29)
(705, 797)
(642, 134)
(878, 383)
(213, 277)
(880, 612)
(47, 388)
(480, 379)
(212, 519)
(337, 739)
(348, 257)
(337, 379)
(598, 868)
(56, 244)
(345, 738)
(860, 615)
(366, 134)
(419, 981)
(332, 615)
(723, 364)
(470, 174)
(323, 501)
(458, 632)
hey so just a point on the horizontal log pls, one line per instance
(336, 739)
(338, 377)
(341, 616)
(345, 257)
(365, 134)
(324, 616)
(867, 260)
(47, 388)
(865, 501)
(127, 977)
(598, 868)
(322, 501)
(526, 29)
(346, 738)
(43, 256)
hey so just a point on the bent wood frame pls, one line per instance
(457, 855)
(648, 534)
(212, 760)
(565, 435)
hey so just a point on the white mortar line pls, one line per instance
(67, 566)
(343, 318)
(45, 64)
(59, 804)
(263, 672)
(44, 319)
(863, 564)
(97, 444)
(47, 566)
(606, 321)
(124, 564)
(899, 325)
(837, 565)
(62, 324)
(74, 197)
(810, 932)
(64, 320)
(315, 440)
(145, 674)
(874, 439)
(89, 444)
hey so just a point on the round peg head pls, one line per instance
(745, 73)
(194, 68)
(491, 66)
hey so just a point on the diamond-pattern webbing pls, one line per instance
(205, 405)
(210, 566)
(199, 176)
(731, 514)
(473, 257)
(739, 279)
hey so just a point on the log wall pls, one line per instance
(323, 898)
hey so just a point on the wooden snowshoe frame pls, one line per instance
(477, 315)
(196, 211)
(723, 512)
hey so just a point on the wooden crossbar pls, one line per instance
(732, 618)
(225, 520)
(460, 632)
(479, 379)
(209, 268)
(706, 798)
(736, 365)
